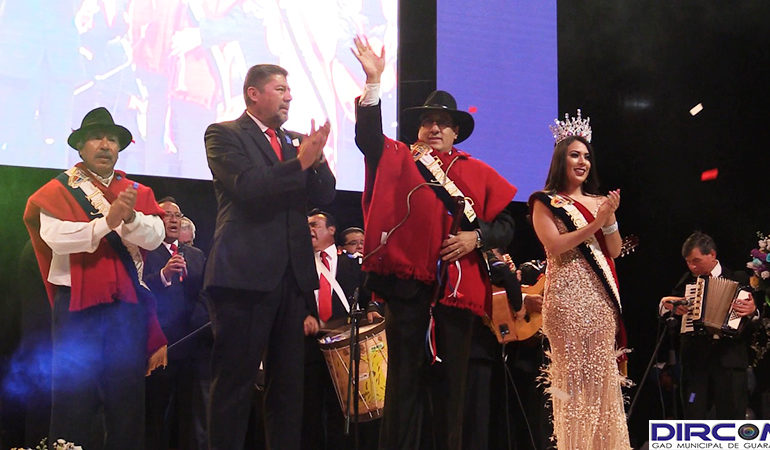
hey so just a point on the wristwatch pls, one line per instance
(479, 242)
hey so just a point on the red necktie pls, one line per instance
(274, 143)
(324, 293)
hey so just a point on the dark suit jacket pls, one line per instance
(701, 349)
(177, 302)
(350, 277)
(262, 203)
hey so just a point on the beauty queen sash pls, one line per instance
(93, 202)
(575, 216)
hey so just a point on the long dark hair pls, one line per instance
(557, 173)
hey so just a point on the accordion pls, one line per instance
(710, 306)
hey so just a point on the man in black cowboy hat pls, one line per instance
(407, 227)
(87, 228)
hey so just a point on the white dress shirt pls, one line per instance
(65, 238)
(332, 252)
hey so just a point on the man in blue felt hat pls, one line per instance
(88, 226)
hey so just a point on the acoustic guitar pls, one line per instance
(509, 325)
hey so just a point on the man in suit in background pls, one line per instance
(187, 231)
(261, 261)
(323, 421)
(174, 273)
(352, 242)
(713, 367)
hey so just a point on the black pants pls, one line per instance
(169, 407)
(711, 380)
(724, 389)
(484, 361)
(247, 326)
(201, 391)
(323, 424)
(529, 410)
(415, 390)
(99, 361)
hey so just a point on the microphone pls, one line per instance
(354, 297)
(357, 256)
(184, 271)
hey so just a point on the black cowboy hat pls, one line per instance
(436, 101)
(100, 119)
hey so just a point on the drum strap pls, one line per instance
(321, 269)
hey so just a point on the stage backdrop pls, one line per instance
(166, 69)
(498, 59)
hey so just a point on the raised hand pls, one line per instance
(372, 63)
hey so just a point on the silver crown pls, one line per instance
(575, 126)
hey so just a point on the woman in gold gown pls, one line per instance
(581, 307)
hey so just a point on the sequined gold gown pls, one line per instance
(583, 379)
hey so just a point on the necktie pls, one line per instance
(274, 143)
(324, 292)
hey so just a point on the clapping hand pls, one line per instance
(609, 206)
(122, 209)
(311, 150)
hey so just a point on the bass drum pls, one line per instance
(373, 367)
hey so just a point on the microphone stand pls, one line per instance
(353, 367)
(676, 383)
(190, 335)
(670, 323)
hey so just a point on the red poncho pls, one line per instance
(98, 277)
(412, 250)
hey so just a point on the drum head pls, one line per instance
(340, 337)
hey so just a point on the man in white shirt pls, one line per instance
(713, 367)
(87, 227)
(323, 421)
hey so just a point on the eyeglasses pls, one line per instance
(175, 215)
(442, 123)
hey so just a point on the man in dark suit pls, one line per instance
(323, 421)
(174, 273)
(713, 367)
(261, 261)
(322, 426)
